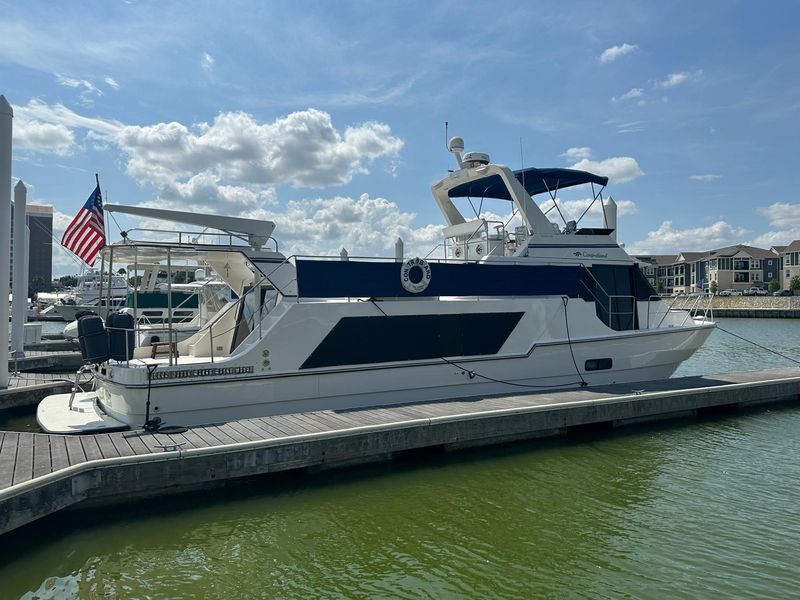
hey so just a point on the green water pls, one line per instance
(699, 509)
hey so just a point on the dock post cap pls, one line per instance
(5, 107)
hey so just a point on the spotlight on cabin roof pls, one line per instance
(476, 159)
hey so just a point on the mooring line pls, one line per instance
(789, 358)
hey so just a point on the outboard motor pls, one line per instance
(120, 336)
(92, 339)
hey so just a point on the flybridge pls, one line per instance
(256, 233)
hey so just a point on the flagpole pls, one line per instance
(105, 231)
(102, 258)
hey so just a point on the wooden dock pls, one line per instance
(45, 361)
(41, 474)
(27, 389)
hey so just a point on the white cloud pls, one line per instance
(666, 240)
(366, 227)
(674, 79)
(110, 82)
(782, 214)
(206, 62)
(631, 127)
(613, 53)
(203, 193)
(631, 94)
(705, 178)
(42, 137)
(618, 169)
(577, 153)
(88, 91)
(58, 114)
(303, 149)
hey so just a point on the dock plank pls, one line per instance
(363, 416)
(281, 429)
(134, 439)
(90, 447)
(257, 429)
(75, 451)
(42, 465)
(23, 465)
(195, 440)
(244, 432)
(232, 432)
(331, 420)
(122, 445)
(58, 452)
(107, 449)
(219, 432)
(310, 425)
(290, 425)
(265, 425)
(8, 456)
(207, 436)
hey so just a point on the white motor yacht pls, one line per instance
(542, 307)
(94, 293)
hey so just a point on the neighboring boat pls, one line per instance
(542, 307)
(194, 303)
(93, 293)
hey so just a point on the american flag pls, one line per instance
(85, 235)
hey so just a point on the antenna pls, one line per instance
(445, 135)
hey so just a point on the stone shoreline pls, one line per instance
(781, 307)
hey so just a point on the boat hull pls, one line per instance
(634, 357)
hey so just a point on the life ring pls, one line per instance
(413, 282)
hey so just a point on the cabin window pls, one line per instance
(598, 364)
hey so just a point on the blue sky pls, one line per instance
(329, 117)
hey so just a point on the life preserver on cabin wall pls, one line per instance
(421, 284)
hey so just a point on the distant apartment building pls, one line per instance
(40, 247)
(655, 267)
(737, 267)
(791, 262)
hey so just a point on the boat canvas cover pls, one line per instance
(535, 181)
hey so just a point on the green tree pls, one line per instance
(68, 281)
(774, 285)
(660, 286)
(794, 283)
(713, 287)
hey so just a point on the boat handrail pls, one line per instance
(707, 310)
(191, 237)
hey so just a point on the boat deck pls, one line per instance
(42, 473)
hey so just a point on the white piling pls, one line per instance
(611, 217)
(6, 118)
(20, 285)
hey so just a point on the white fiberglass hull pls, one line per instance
(636, 356)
